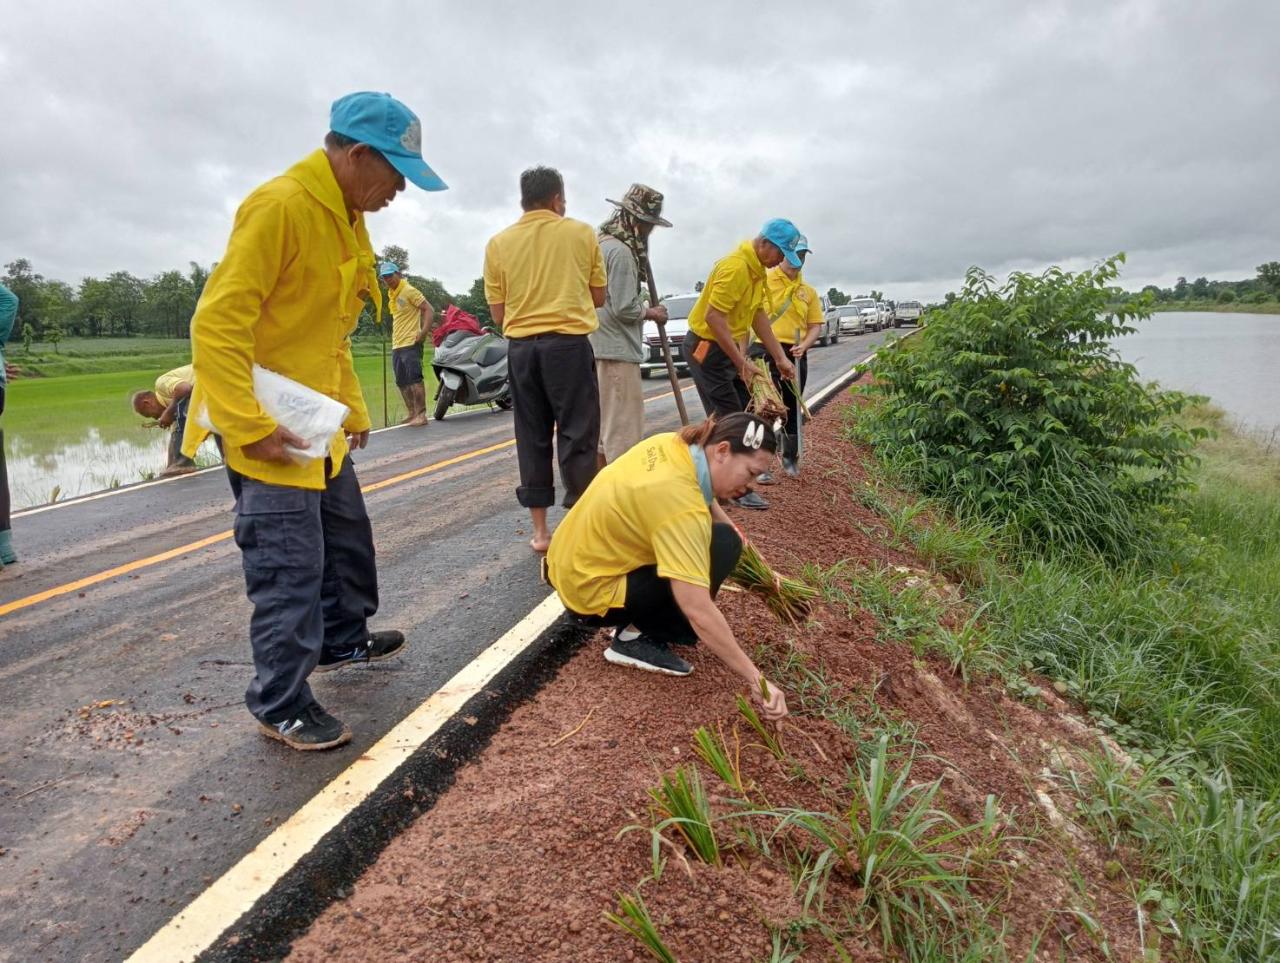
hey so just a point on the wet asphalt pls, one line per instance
(131, 775)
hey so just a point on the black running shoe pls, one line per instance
(379, 645)
(644, 653)
(311, 728)
(766, 479)
(791, 467)
(751, 500)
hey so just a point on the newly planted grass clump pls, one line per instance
(682, 804)
(633, 918)
(713, 749)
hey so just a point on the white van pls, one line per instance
(678, 308)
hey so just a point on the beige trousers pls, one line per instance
(621, 407)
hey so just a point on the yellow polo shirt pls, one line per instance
(286, 294)
(804, 310)
(542, 268)
(168, 383)
(736, 287)
(644, 509)
(406, 320)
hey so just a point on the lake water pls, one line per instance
(1232, 358)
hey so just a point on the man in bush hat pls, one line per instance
(734, 301)
(619, 341)
(286, 295)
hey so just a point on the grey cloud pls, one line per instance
(907, 141)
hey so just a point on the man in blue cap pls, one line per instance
(734, 301)
(286, 295)
(411, 322)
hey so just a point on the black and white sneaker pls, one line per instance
(644, 653)
(791, 467)
(751, 500)
(379, 645)
(311, 728)
(766, 479)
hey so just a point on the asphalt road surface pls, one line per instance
(131, 774)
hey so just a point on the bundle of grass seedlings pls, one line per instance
(788, 598)
(766, 400)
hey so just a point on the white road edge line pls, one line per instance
(199, 925)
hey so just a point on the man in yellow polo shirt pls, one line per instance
(733, 303)
(286, 295)
(797, 324)
(544, 277)
(167, 405)
(412, 316)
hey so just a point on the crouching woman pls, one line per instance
(647, 547)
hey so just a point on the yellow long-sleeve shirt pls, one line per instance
(287, 295)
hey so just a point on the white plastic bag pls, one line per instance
(307, 413)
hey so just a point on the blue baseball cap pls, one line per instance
(387, 267)
(787, 237)
(389, 127)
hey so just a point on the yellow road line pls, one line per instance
(150, 560)
(69, 587)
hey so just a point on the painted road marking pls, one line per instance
(213, 912)
(207, 917)
(100, 577)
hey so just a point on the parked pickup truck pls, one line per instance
(908, 312)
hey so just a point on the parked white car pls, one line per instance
(856, 317)
(908, 312)
(884, 314)
(678, 308)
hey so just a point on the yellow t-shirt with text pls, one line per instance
(736, 288)
(646, 508)
(542, 268)
(406, 321)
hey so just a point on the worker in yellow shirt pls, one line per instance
(412, 317)
(648, 546)
(797, 324)
(732, 304)
(544, 277)
(286, 295)
(167, 404)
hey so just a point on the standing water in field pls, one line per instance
(1229, 357)
(43, 472)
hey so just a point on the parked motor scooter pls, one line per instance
(471, 369)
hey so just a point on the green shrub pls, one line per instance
(1012, 405)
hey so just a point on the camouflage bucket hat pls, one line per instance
(642, 202)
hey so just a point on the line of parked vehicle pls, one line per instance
(857, 317)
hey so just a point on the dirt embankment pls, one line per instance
(521, 858)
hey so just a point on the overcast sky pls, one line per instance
(907, 140)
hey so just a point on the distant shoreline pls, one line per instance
(1271, 307)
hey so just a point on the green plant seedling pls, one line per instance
(768, 737)
(713, 749)
(633, 918)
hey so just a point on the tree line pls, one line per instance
(123, 305)
(1256, 290)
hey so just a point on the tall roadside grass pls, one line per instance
(1176, 652)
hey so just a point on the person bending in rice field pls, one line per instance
(647, 547)
(167, 406)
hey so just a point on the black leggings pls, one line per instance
(651, 605)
